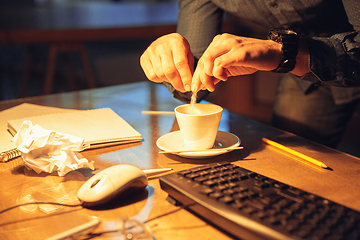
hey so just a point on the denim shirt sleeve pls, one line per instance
(336, 60)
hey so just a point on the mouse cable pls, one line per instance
(146, 221)
(79, 204)
(171, 212)
(42, 203)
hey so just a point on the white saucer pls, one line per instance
(173, 142)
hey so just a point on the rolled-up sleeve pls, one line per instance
(336, 60)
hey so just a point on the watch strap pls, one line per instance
(290, 43)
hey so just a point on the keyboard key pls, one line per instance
(256, 204)
(201, 179)
(206, 191)
(262, 185)
(238, 205)
(192, 175)
(227, 199)
(216, 195)
(291, 196)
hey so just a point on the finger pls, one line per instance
(204, 80)
(201, 80)
(191, 60)
(216, 81)
(157, 66)
(207, 81)
(222, 63)
(183, 61)
(148, 68)
(196, 83)
(220, 73)
(210, 55)
(170, 72)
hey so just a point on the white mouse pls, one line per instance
(110, 182)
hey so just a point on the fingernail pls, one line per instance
(193, 88)
(187, 87)
(211, 89)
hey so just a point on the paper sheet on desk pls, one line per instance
(49, 151)
(22, 111)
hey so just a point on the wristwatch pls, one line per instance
(290, 43)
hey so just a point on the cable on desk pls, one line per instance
(77, 205)
(171, 212)
(91, 235)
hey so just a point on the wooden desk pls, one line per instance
(19, 184)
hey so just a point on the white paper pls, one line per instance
(49, 151)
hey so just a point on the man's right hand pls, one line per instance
(169, 59)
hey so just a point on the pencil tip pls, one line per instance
(326, 167)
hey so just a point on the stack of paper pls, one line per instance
(22, 111)
(99, 127)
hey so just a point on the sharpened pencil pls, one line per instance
(293, 152)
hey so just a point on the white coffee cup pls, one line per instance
(198, 124)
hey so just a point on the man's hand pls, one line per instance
(169, 59)
(230, 55)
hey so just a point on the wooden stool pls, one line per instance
(56, 48)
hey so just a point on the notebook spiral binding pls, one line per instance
(8, 155)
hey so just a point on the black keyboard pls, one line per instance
(248, 205)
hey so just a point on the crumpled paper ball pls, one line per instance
(49, 151)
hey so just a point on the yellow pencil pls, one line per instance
(300, 155)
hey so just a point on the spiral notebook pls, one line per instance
(99, 127)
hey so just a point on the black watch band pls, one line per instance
(290, 44)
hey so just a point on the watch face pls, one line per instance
(288, 32)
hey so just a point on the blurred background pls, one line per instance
(53, 46)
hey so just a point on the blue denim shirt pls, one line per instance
(329, 28)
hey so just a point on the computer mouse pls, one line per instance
(111, 182)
